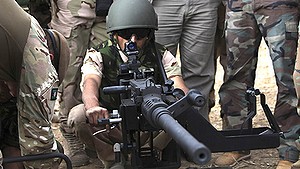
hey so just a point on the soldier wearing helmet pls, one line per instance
(128, 22)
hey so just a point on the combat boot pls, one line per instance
(77, 152)
(284, 164)
(230, 159)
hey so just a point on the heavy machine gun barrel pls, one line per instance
(157, 114)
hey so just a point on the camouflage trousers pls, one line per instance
(246, 24)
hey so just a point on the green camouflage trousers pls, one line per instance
(247, 22)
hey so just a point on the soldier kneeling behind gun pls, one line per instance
(128, 22)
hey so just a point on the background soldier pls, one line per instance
(77, 21)
(28, 88)
(246, 23)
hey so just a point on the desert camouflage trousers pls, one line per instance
(77, 21)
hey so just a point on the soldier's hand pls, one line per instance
(95, 113)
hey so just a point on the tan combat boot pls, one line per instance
(230, 159)
(77, 152)
(284, 164)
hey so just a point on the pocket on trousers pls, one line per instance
(291, 30)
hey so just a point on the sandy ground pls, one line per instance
(265, 82)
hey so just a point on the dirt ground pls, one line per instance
(260, 159)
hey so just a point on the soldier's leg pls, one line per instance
(197, 47)
(71, 94)
(282, 52)
(102, 142)
(240, 74)
(241, 66)
(76, 27)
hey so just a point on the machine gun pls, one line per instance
(148, 107)
(145, 104)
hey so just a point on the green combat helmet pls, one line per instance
(124, 14)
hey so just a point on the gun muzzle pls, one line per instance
(158, 115)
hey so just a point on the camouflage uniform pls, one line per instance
(105, 63)
(25, 60)
(246, 23)
(77, 21)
